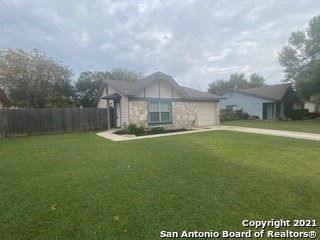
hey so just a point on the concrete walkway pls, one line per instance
(280, 133)
(300, 135)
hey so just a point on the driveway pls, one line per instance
(300, 135)
(281, 133)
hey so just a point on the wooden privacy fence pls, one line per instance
(24, 122)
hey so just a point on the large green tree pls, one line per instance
(88, 82)
(236, 81)
(87, 86)
(34, 80)
(125, 74)
(301, 60)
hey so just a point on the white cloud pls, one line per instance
(196, 42)
(81, 36)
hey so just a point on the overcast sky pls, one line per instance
(194, 41)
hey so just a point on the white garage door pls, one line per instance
(206, 114)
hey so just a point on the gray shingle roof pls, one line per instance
(122, 87)
(193, 93)
(273, 92)
(133, 88)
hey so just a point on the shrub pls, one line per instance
(245, 116)
(297, 114)
(133, 129)
(157, 129)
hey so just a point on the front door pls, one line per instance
(118, 120)
(268, 111)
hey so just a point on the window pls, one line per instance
(159, 112)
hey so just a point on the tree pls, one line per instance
(256, 81)
(219, 86)
(88, 82)
(236, 81)
(35, 80)
(301, 60)
(125, 75)
(87, 86)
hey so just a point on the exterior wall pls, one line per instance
(176, 95)
(217, 113)
(250, 104)
(184, 114)
(124, 104)
(124, 111)
(152, 91)
(1, 105)
(102, 103)
(165, 90)
(311, 106)
(160, 89)
(138, 113)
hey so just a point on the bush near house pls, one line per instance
(297, 114)
(133, 129)
(157, 129)
(141, 130)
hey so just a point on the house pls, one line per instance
(312, 104)
(157, 100)
(3, 100)
(266, 102)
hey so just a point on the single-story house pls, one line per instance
(266, 102)
(312, 104)
(3, 99)
(157, 100)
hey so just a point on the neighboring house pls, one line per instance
(157, 100)
(267, 102)
(3, 99)
(312, 104)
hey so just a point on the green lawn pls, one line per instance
(80, 186)
(312, 125)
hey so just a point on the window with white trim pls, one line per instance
(159, 112)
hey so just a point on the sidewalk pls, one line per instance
(300, 135)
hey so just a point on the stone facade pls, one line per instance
(184, 114)
(217, 113)
(138, 111)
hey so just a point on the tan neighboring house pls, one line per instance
(3, 100)
(312, 104)
(157, 100)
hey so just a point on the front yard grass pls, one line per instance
(310, 125)
(80, 186)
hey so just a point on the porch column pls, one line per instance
(274, 110)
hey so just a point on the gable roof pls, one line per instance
(273, 92)
(3, 98)
(196, 94)
(131, 89)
